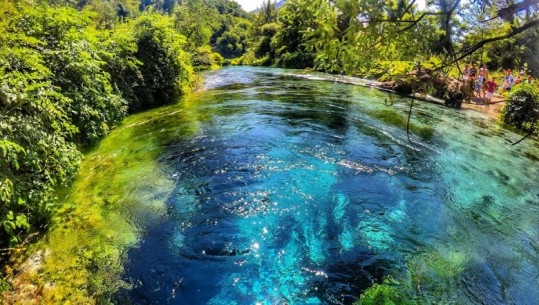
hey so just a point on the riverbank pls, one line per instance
(493, 110)
(80, 259)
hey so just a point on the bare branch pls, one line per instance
(416, 21)
(425, 14)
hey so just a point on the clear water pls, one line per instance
(297, 189)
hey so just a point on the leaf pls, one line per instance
(22, 222)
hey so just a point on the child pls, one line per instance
(480, 84)
(466, 72)
(491, 87)
(508, 80)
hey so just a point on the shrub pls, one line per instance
(522, 108)
(205, 58)
(65, 85)
(71, 50)
(35, 125)
(296, 60)
(159, 71)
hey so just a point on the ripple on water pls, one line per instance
(298, 191)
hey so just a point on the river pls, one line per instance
(278, 187)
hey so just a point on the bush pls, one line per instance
(159, 71)
(65, 85)
(296, 60)
(35, 125)
(205, 58)
(522, 108)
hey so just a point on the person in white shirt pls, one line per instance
(508, 81)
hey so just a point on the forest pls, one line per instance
(72, 70)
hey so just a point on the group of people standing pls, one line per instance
(479, 81)
(484, 87)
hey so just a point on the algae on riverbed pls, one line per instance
(80, 259)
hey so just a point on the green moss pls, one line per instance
(384, 294)
(431, 271)
(4, 286)
(395, 119)
(85, 246)
(447, 264)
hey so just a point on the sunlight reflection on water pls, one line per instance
(298, 191)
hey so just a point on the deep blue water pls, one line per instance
(297, 189)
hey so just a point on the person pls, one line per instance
(529, 80)
(491, 88)
(471, 77)
(483, 75)
(519, 77)
(508, 80)
(473, 72)
(466, 73)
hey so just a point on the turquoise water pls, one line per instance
(298, 189)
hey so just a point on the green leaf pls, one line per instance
(22, 222)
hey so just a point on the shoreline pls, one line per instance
(492, 110)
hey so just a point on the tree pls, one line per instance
(350, 36)
(64, 85)
(197, 21)
(295, 19)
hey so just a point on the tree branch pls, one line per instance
(425, 14)
(514, 32)
(509, 11)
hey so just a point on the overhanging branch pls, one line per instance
(464, 53)
(509, 11)
(425, 14)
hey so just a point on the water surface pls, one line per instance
(296, 189)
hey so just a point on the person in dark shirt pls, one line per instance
(472, 75)
(473, 72)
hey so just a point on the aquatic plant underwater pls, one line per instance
(273, 187)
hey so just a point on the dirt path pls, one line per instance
(492, 110)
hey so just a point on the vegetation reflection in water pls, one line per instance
(272, 188)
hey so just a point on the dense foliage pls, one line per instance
(367, 38)
(65, 82)
(522, 108)
(160, 69)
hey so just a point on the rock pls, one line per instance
(25, 291)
